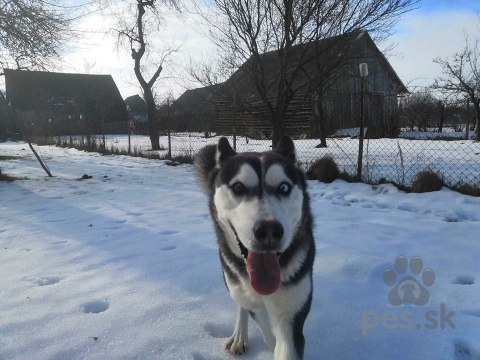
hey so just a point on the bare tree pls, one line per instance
(418, 109)
(33, 31)
(253, 29)
(446, 107)
(461, 76)
(134, 32)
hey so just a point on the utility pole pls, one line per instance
(363, 75)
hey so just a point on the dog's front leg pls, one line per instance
(261, 318)
(288, 330)
(287, 347)
(238, 343)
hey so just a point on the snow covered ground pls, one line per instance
(396, 160)
(125, 265)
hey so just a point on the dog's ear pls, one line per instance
(286, 147)
(224, 150)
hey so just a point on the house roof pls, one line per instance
(63, 92)
(136, 104)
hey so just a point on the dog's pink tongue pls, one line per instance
(264, 271)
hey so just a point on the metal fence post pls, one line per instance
(103, 133)
(467, 121)
(235, 119)
(168, 131)
(363, 74)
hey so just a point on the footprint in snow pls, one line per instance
(25, 250)
(168, 248)
(95, 307)
(54, 221)
(135, 213)
(118, 221)
(60, 242)
(218, 330)
(169, 232)
(197, 356)
(471, 312)
(462, 351)
(80, 193)
(464, 280)
(93, 208)
(341, 203)
(45, 281)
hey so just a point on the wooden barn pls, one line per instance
(50, 103)
(340, 102)
(193, 111)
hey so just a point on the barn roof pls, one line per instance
(63, 92)
(193, 99)
(311, 54)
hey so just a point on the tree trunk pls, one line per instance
(442, 118)
(277, 132)
(152, 119)
(321, 124)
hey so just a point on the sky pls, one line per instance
(435, 29)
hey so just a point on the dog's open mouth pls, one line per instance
(262, 267)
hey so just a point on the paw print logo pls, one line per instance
(408, 290)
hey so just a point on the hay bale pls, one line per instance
(427, 181)
(324, 170)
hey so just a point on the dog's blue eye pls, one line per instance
(284, 188)
(238, 188)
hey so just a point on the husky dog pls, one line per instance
(261, 211)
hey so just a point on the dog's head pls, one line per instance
(257, 199)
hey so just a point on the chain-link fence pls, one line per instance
(394, 159)
(397, 158)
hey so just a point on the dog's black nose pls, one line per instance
(268, 230)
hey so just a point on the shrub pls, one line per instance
(256, 134)
(7, 178)
(347, 177)
(468, 189)
(185, 158)
(324, 170)
(427, 181)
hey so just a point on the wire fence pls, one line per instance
(452, 153)
(399, 159)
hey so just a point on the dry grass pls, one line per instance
(8, 178)
(427, 181)
(324, 170)
(96, 145)
(6, 158)
(467, 189)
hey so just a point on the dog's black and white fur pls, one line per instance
(245, 190)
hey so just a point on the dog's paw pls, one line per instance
(236, 345)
